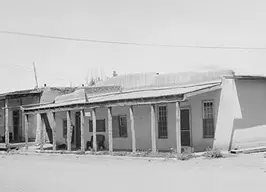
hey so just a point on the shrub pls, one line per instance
(80, 153)
(185, 155)
(120, 153)
(213, 153)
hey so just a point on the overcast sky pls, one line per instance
(173, 22)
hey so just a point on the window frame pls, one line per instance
(120, 126)
(117, 131)
(158, 121)
(97, 130)
(204, 136)
(64, 122)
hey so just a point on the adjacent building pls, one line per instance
(11, 117)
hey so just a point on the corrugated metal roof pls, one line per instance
(150, 93)
(131, 95)
(146, 80)
(129, 81)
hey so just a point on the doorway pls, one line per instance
(185, 127)
(16, 125)
(77, 130)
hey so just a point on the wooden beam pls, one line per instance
(6, 124)
(110, 129)
(54, 109)
(106, 104)
(54, 131)
(153, 132)
(26, 117)
(178, 127)
(132, 127)
(42, 134)
(94, 129)
(69, 131)
(82, 135)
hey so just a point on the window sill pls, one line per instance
(163, 138)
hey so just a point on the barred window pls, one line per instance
(100, 125)
(208, 119)
(162, 122)
(120, 126)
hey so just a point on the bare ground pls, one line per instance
(56, 173)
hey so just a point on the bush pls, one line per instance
(80, 153)
(213, 153)
(185, 155)
(120, 153)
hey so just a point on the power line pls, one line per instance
(130, 43)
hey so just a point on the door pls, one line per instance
(77, 131)
(16, 125)
(185, 127)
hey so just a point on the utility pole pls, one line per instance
(35, 74)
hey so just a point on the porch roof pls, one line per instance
(136, 97)
(21, 93)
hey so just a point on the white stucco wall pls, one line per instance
(198, 141)
(250, 131)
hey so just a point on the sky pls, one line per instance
(172, 22)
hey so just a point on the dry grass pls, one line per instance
(213, 153)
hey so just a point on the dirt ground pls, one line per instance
(56, 173)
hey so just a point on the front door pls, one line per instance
(185, 127)
(77, 131)
(16, 125)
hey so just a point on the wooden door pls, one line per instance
(77, 130)
(185, 127)
(16, 125)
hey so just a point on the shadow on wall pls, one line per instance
(250, 131)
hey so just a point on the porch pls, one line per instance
(128, 124)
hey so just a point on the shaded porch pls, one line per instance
(75, 113)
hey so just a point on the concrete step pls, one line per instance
(249, 150)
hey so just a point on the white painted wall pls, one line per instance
(250, 131)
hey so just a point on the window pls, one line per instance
(100, 125)
(119, 126)
(162, 122)
(208, 119)
(64, 128)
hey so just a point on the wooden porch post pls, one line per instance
(82, 147)
(131, 114)
(42, 135)
(6, 124)
(68, 131)
(26, 131)
(94, 129)
(54, 131)
(153, 133)
(110, 129)
(178, 131)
